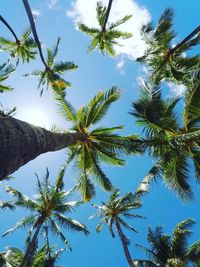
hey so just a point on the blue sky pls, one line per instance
(96, 72)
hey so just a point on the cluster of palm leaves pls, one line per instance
(47, 211)
(171, 139)
(171, 251)
(105, 37)
(166, 61)
(51, 75)
(101, 144)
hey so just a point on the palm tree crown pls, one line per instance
(114, 212)
(171, 139)
(165, 61)
(51, 75)
(105, 37)
(100, 144)
(171, 251)
(48, 208)
(23, 48)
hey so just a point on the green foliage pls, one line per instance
(105, 38)
(172, 142)
(23, 49)
(12, 257)
(165, 62)
(116, 210)
(99, 145)
(171, 251)
(51, 75)
(50, 205)
(5, 70)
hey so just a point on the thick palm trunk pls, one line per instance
(125, 247)
(107, 15)
(32, 244)
(21, 142)
(187, 38)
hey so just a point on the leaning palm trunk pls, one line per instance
(21, 142)
(32, 244)
(124, 244)
(187, 38)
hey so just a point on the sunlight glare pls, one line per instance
(36, 116)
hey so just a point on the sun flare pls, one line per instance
(36, 116)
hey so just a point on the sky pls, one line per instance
(59, 18)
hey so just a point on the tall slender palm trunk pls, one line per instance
(32, 244)
(21, 142)
(187, 38)
(34, 31)
(125, 247)
(9, 27)
(107, 15)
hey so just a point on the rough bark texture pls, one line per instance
(125, 247)
(21, 142)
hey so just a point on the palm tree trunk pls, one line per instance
(149, 177)
(33, 242)
(33, 28)
(107, 15)
(21, 142)
(125, 247)
(187, 38)
(9, 27)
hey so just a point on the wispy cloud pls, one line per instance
(36, 12)
(53, 4)
(83, 11)
(176, 90)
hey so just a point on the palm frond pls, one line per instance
(71, 224)
(55, 229)
(26, 221)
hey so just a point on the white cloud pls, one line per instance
(120, 62)
(176, 90)
(85, 12)
(36, 12)
(53, 4)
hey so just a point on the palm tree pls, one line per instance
(113, 213)
(105, 38)
(165, 61)
(171, 251)
(47, 209)
(100, 145)
(51, 75)
(21, 142)
(23, 47)
(172, 140)
(5, 70)
(13, 256)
